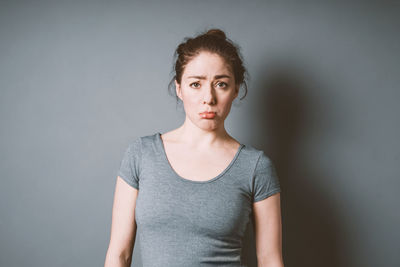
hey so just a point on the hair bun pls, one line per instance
(216, 32)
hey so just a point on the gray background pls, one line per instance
(80, 79)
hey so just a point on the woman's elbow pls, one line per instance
(118, 259)
(270, 262)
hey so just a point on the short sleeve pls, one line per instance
(130, 164)
(265, 179)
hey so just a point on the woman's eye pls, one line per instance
(195, 83)
(223, 84)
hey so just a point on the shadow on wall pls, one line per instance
(309, 224)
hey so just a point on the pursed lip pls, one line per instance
(207, 112)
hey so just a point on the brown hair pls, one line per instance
(214, 41)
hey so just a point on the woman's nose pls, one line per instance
(209, 95)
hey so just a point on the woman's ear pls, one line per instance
(178, 90)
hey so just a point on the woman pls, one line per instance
(192, 191)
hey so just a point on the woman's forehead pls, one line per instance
(207, 65)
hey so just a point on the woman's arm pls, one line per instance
(268, 231)
(123, 226)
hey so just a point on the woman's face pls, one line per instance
(207, 84)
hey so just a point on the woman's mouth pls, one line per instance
(207, 115)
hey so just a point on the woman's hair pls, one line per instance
(214, 41)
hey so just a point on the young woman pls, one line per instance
(191, 192)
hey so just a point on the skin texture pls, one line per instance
(197, 143)
(123, 226)
(268, 231)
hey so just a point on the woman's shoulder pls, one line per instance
(253, 152)
(149, 137)
(138, 142)
(143, 138)
(251, 149)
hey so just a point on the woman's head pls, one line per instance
(208, 74)
(213, 41)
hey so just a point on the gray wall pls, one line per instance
(80, 79)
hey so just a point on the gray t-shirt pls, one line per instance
(181, 222)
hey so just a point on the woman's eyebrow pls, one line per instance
(215, 77)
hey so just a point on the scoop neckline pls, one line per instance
(165, 158)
